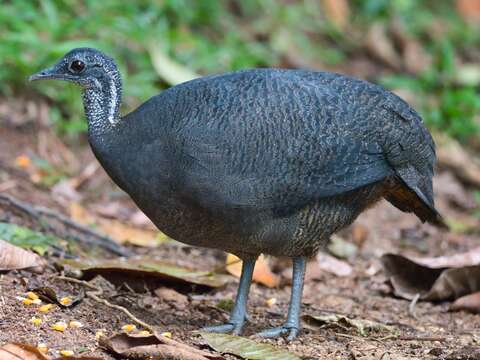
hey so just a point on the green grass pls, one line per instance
(446, 103)
(211, 36)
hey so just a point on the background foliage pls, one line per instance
(211, 36)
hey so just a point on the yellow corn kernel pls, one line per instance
(145, 332)
(23, 161)
(45, 308)
(65, 301)
(36, 321)
(43, 348)
(59, 326)
(270, 302)
(167, 334)
(36, 301)
(32, 295)
(66, 353)
(75, 324)
(27, 301)
(128, 328)
(99, 334)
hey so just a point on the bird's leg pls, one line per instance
(239, 312)
(292, 325)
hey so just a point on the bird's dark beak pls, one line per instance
(46, 74)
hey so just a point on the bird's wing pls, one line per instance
(302, 179)
(279, 146)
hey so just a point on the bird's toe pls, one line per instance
(234, 328)
(292, 332)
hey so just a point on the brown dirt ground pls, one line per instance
(359, 295)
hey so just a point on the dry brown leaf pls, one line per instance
(20, 351)
(50, 295)
(362, 326)
(469, 303)
(447, 186)
(147, 270)
(245, 348)
(337, 11)
(117, 230)
(326, 263)
(153, 346)
(359, 234)
(86, 174)
(380, 46)
(80, 214)
(139, 219)
(341, 248)
(469, 258)
(14, 258)
(469, 10)
(453, 156)
(410, 279)
(63, 192)
(129, 234)
(180, 301)
(415, 57)
(262, 273)
(51, 148)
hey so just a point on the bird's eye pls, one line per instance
(76, 66)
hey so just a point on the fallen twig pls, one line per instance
(95, 295)
(41, 214)
(412, 306)
(413, 338)
(423, 338)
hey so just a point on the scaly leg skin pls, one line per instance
(292, 325)
(239, 312)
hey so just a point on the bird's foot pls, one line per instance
(233, 327)
(291, 331)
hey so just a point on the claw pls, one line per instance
(234, 328)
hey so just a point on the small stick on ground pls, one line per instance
(422, 338)
(413, 304)
(413, 338)
(95, 295)
(44, 216)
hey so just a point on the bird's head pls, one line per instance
(100, 79)
(89, 68)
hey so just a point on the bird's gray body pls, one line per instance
(269, 161)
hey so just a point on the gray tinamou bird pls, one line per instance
(258, 161)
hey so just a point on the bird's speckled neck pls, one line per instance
(102, 102)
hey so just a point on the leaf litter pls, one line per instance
(52, 296)
(144, 268)
(192, 317)
(17, 351)
(363, 326)
(434, 279)
(117, 230)
(245, 348)
(262, 273)
(469, 303)
(15, 258)
(152, 346)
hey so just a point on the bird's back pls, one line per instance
(275, 142)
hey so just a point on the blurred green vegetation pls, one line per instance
(211, 36)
